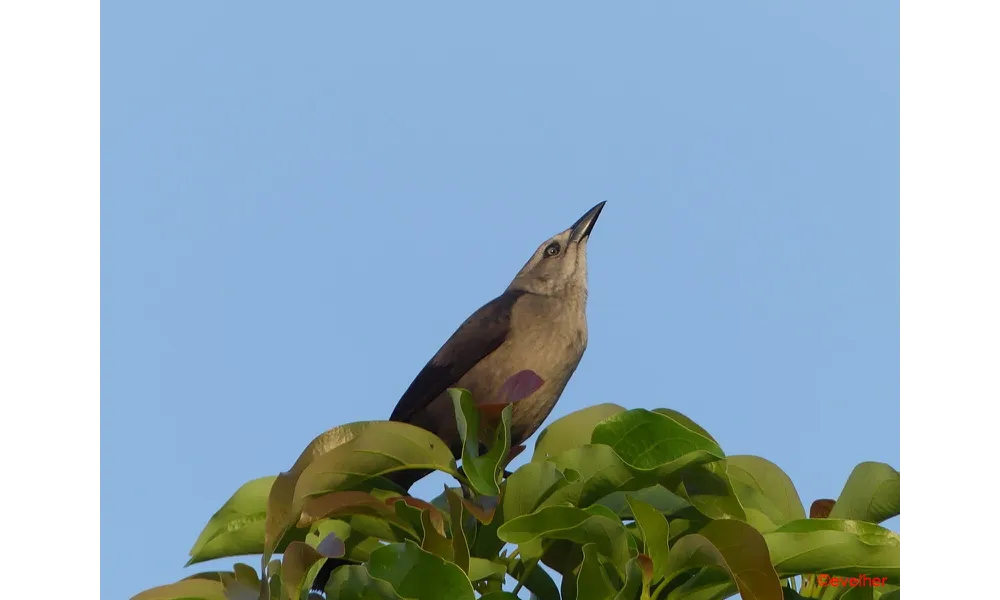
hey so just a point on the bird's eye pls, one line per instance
(552, 249)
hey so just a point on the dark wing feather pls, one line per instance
(474, 340)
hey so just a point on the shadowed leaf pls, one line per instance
(591, 581)
(459, 541)
(419, 575)
(536, 581)
(434, 540)
(353, 582)
(737, 548)
(633, 580)
(339, 504)
(296, 562)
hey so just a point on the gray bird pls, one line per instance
(538, 323)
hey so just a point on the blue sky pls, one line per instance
(301, 203)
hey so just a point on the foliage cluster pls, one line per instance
(623, 504)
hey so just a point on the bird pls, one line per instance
(538, 324)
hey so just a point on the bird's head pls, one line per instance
(559, 265)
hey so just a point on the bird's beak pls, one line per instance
(583, 226)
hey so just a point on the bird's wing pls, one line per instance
(474, 340)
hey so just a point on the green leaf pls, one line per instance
(185, 589)
(761, 485)
(591, 582)
(500, 596)
(655, 534)
(236, 529)
(296, 563)
(528, 486)
(684, 420)
(708, 488)
(870, 494)
(834, 547)
(459, 541)
(354, 582)
(657, 496)
(648, 440)
(598, 472)
(573, 524)
(381, 448)
(348, 455)
(352, 502)
(419, 575)
(633, 581)
(571, 431)
(734, 546)
(480, 568)
(434, 540)
(483, 472)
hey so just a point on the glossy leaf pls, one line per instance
(762, 486)
(735, 547)
(647, 440)
(684, 420)
(870, 494)
(419, 575)
(354, 582)
(835, 547)
(571, 431)
(655, 534)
